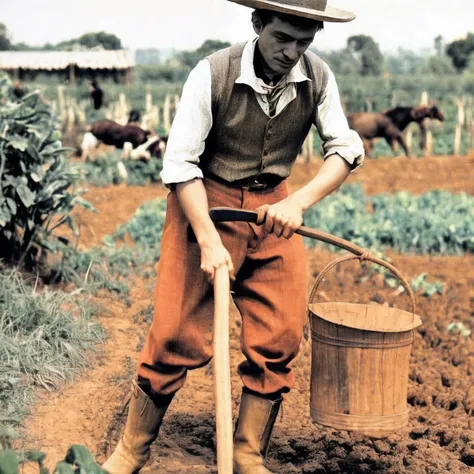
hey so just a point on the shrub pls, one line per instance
(37, 191)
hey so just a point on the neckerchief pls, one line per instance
(274, 91)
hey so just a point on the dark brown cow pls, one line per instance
(390, 124)
(114, 134)
(403, 116)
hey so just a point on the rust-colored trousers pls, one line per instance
(269, 292)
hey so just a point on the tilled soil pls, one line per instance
(439, 437)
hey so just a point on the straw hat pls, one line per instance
(312, 9)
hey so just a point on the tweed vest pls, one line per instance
(244, 142)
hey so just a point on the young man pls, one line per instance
(244, 114)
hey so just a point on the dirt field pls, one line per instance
(440, 435)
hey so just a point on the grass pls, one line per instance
(45, 337)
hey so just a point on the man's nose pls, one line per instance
(291, 52)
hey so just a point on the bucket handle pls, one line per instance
(348, 257)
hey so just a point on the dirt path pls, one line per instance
(439, 438)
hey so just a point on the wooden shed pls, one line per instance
(71, 65)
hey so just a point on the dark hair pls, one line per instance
(266, 17)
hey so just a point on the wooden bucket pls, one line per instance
(360, 359)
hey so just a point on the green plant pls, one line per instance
(434, 223)
(78, 460)
(103, 170)
(425, 288)
(103, 267)
(37, 191)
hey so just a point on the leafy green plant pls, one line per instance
(78, 460)
(434, 223)
(37, 191)
(425, 288)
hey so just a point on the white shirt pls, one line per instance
(193, 119)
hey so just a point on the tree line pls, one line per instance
(87, 41)
(361, 55)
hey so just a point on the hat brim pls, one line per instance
(330, 14)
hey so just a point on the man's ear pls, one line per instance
(257, 23)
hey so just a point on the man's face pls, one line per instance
(282, 44)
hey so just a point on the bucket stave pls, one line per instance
(360, 362)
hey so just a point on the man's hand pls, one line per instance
(193, 199)
(283, 218)
(213, 256)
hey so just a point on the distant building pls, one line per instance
(154, 56)
(71, 65)
(148, 57)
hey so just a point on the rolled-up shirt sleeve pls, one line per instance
(334, 130)
(191, 126)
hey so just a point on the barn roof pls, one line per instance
(52, 60)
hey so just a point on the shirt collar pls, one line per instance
(247, 71)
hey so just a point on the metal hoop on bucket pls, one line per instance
(346, 258)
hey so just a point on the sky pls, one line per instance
(185, 24)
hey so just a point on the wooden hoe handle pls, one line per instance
(221, 372)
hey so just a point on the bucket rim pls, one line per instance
(365, 317)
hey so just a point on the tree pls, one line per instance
(5, 43)
(369, 54)
(460, 50)
(191, 58)
(99, 39)
(341, 62)
(404, 62)
(437, 65)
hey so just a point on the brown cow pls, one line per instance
(112, 133)
(373, 125)
(390, 124)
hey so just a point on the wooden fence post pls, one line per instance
(148, 102)
(429, 143)
(70, 118)
(470, 124)
(409, 137)
(461, 119)
(394, 100)
(122, 109)
(424, 98)
(369, 102)
(167, 114)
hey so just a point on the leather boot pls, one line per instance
(143, 423)
(252, 433)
